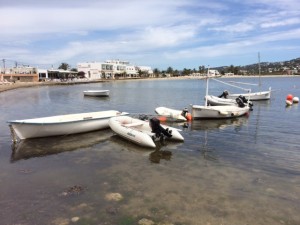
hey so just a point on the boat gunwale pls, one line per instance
(87, 118)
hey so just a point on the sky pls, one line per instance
(157, 33)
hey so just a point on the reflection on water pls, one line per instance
(38, 147)
(158, 155)
(219, 124)
(237, 171)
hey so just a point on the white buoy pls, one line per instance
(295, 100)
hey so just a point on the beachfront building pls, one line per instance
(213, 72)
(34, 74)
(146, 70)
(111, 69)
(19, 74)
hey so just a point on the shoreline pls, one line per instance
(13, 86)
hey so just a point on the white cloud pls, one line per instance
(285, 22)
(55, 31)
(235, 28)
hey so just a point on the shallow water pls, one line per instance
(240, 171)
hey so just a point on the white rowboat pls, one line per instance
(139, 131)
(172, 114)
(214, 100)
(218, 112)
(62, 124)
(253, 96)
(96, 93)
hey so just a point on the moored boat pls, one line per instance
(173, 114)
(253, 96)
(144, 133)
(214, 100)
(219, 111)
(62, 124)
(96, 93)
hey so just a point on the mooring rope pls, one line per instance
(243, 83)
(245, 89)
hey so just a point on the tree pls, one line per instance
(170, 70)
(201, 69)
(156, 72)
(64, 66)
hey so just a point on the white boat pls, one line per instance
(220, 111)
(173, 114)
(254, 96)
(144, 133)
(62, 124)
(214, 100)
(96, 93)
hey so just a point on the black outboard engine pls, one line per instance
(158, 129)
(240, 102)
(224, 94)
(245, 100)
(184, 112)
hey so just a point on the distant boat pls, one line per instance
(219, 111)
(62, 124)
(96, 93)
(254, 96)
(144, 133)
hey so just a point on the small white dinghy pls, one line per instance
(62, 124)
(144, 133)
(96, 93)
(174, 114)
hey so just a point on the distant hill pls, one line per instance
(283, 67)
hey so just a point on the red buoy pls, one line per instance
(289, 97)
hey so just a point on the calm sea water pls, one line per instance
(240, 171)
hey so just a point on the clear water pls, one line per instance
(240, 171)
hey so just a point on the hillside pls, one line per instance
(285, 67)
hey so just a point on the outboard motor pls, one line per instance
(245, 100)
(158, 129)
(184, 112)
(224, 94)
(240, 102)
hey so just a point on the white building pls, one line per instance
(213, 72)
(110, 69)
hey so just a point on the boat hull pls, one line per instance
(97, 93)
(215, 101)
(171, 114)
(218, 112)
(62, 124)
(255, 96)
(138, 131)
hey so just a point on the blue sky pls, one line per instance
(156, 33)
